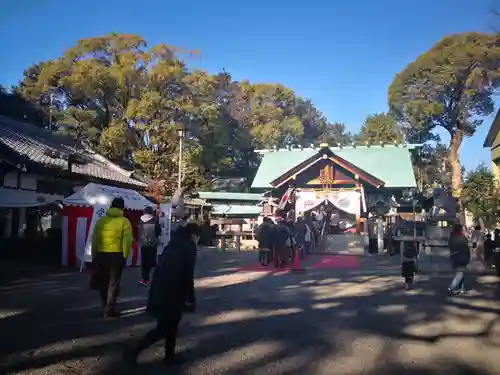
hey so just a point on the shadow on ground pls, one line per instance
(321, 322)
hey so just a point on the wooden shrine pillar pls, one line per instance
(359, 224)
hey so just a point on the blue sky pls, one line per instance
(341, 54)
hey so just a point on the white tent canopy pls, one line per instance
(93, 194)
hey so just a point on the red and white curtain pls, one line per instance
(75, 229)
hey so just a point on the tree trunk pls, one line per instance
(456, 172)
(453, 159)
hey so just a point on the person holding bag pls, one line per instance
(148, 239)
(111, 243)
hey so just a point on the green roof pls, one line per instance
(236, 210)
(389, 163)
(226, 196)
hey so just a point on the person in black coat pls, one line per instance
(489, 246)
(281, 235)
(460, 257)
(171, 286)
(264, 236)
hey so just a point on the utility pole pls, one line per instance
(50, 110)
(180, 133)
(179, 181)
(51, 103)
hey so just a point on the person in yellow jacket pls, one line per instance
(111, 243)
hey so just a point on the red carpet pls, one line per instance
(257, 267)
(326, 261)
(336, 261)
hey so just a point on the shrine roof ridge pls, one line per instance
(389, 163)
(409, 146)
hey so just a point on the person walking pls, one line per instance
(111, 243)
(264, 236)
(460, 257)
(190, 303)
(409, 264)
(489, 246)
(282, 239)
(206, 233)
(495, 256)
(291, 243)
(171, 285)
(496, 237)
(148, 231)
(477, 242)
(309, 241)
(300, 230)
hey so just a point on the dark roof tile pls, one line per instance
(41, 146)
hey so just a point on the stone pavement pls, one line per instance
(325, 321)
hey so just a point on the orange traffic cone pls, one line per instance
(296, 266)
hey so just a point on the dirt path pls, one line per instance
(326, 321)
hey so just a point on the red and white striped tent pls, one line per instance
(77, 215)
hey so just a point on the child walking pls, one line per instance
(408, 265)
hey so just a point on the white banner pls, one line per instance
(165, 221)
(348, 201)
(99, 211)
(307, 200)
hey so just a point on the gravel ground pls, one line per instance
(325, 321)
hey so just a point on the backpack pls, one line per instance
(409, 250)
(148, 236)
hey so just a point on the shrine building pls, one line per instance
(353, 180)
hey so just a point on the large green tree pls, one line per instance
(335, 133)
(450, 86)
(238, 144)
(431, 167)
(380, 127)
(481, 195)
(128, 100)
(96, 79)
(268, 111)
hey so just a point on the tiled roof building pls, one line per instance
(28, 146)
